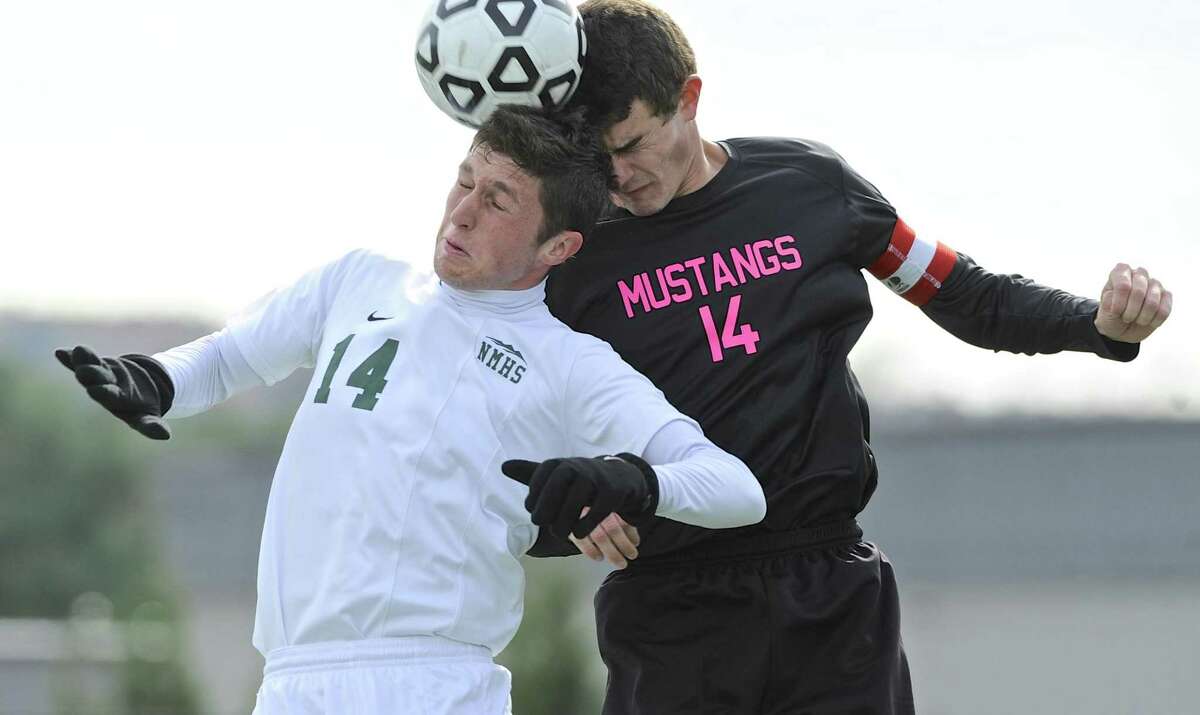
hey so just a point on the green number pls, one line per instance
(339, 351)
(369, 376)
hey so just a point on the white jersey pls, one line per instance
(389, 515)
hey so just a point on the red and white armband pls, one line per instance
(911, 267)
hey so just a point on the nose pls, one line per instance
(622, 171)
(463, 213)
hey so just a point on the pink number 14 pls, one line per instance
(746, 336)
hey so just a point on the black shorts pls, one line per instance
(801, 630)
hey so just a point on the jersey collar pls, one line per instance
(496, 302)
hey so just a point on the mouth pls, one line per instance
(453, 248)
(635, 192)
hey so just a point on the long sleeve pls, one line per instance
(206, 372)
(282, 331)
(698, 482)
(1014, 314)
(701, 484)
(997, 312)
(611, 408)
(268, 341)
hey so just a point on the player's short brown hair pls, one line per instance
(634, 51)
(561, 151)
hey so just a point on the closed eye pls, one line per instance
(630, 148)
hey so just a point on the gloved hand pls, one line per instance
(135, 388)
(559, 489)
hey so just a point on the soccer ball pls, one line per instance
(474, 55)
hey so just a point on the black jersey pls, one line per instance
(742, 300)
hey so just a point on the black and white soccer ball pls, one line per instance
(474, 55)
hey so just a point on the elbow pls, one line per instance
(724, 495)
(756, 505)
(749, 506)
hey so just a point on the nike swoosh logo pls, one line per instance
(372, 317)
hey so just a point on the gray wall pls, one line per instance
(1045, 567)
(1038, 499)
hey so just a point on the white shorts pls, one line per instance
(417, 674)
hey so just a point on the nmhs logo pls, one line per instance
(503, 359)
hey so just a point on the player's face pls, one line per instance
(651, 157)
(488, 237)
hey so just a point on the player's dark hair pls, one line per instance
(564, 153)
(634, 51)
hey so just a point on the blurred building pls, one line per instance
(45, 666)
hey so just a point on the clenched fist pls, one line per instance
(1132, 305)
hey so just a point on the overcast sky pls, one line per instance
(179, 158)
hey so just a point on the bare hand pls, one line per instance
(613, 540)
(1132, 305)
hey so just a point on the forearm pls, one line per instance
(701, 484)
(1014, 314)
(698, 484)
(206, 372)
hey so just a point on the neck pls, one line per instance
(708, 158)
(529, 281)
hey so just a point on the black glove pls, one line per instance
(559, 489)
(135, 388)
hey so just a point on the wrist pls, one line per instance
(163, 386)
(1105, 346)
(642, 512)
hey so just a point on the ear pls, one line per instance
(689, 97)
(560, 247)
